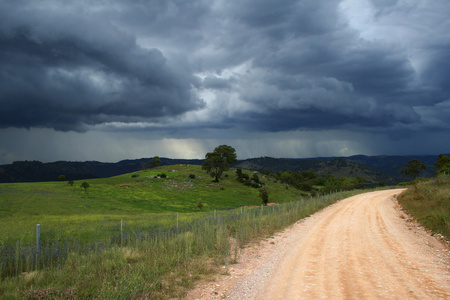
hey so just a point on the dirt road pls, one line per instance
(363, 247)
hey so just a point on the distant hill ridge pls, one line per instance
(372, 168)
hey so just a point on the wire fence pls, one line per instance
(52, 247)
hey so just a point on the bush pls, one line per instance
(245, 176)
(192, 176)
(162, 175)
(134, 175)
(255, 178)
(264, 193)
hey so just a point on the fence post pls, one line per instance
(38, 237)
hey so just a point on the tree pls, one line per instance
(85, 185)
(70, 182)
(442, 165)
(61, 177)
(219, 160)
(155, 162)
(413, 168)
(264, 194)
(215, 165)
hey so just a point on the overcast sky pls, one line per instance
(112, 80)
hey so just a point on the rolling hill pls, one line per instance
(372, 168)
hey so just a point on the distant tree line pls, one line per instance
(414, 167)
(309, 181)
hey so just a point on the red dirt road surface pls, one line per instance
(363, 247)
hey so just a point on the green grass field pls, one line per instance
(141, 201)
(84, 253)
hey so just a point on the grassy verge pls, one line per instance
(150, 264)
(429, 202)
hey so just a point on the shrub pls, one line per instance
(255, 178)
(70, 182)
(134, 175)
(264, 194)
(162, 175)
(192, 176)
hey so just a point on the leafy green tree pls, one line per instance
(264, 194)
(70, 182)
(155, 162)
(215, 165)
(227, 152)
(442, 165)
(62, 177)
(413, 168)
(219, 160)
(85, 185)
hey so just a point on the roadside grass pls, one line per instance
(428, 202)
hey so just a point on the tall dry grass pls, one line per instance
(429, 202)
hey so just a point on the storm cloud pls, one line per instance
(67, 69)
(236, 70)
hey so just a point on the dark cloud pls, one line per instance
(79, 71)
(193, 68)
(320, 73)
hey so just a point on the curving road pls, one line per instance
(363, 247)
(360, 249)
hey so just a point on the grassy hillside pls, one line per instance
(144, 200)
